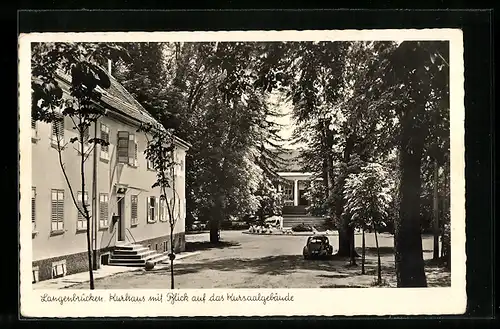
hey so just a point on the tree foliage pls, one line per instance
(215, 97)
(369, 197)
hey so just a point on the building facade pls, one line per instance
(295, 182)
(118, 190)
(294, 186)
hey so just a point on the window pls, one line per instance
(35, 272)
(81, 220)
(86, 137)
(57, 206)
(59, 269)
(127, 148)
(103, 210)
(150, 164)
(34, 130)
(133, 209)
(33, 209)
(58, 128)
(152, 208)
(105, 136)
(163, 210)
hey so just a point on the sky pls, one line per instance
(287, 121)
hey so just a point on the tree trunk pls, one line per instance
(352, 253)
(379, 265)
(172, 253)
(363, 255)
(326, 179)
(215, 221)
(436, 213)
(346, 242)
(346, 233)
(85, 210)
(214, 230)
(407, 239)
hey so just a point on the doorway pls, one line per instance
(302, 198)
(121, 219)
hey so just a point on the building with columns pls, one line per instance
(295, 181)
(294, 185)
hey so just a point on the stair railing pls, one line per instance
(131, 235)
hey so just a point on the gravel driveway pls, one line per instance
(256, 261)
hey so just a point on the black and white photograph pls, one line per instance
(250, 171)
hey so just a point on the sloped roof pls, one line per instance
(117, 97)
(291, 160)
(120, 100)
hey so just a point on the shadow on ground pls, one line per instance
(271, 265)
(332, 267)
(206, 245)
(383, 250)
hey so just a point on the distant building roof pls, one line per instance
(291, 161)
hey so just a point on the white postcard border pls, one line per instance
(327, 302)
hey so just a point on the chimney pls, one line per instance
(109, 66)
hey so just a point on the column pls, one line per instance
(279, 187)
(295, 192)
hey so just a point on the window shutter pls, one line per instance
(169, 207)
(156, 208)
(58, 127)
(123, 146)
(148, 209)
(133, 199)
(33, 206)
(105, 137)
(86, 134)
(136, 162)
(131, 149)
(80, 207)
(161, 210)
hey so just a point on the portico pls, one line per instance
(294, 190)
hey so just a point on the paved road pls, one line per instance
(256, 261)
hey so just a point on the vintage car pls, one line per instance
(317, 246)
(198, 226)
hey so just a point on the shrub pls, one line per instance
(240, 226)
(226, 225)
(302, 228)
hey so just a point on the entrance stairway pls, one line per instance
(135, 255)
(295, 215)
(294, 210)
(292, 220)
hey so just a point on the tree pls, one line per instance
(425, 83)
(368, 196)
(52, 63)
(317, 87)
(270, 201)
(160, 152)
(214, 95)
(400, 87)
